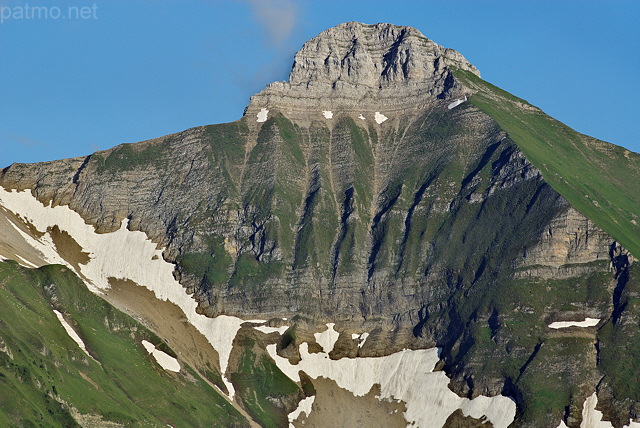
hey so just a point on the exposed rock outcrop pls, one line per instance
(363, 68)
(567, 248)
(336, 217)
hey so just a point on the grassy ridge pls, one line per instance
(599, 179)
(43, 373)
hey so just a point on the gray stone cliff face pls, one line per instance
(375, 56)
(566, 248)
(361, 67)
(346, 231)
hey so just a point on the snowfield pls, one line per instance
(406, 376)
(456, 103)
(328, 338)
(304, 406)
(262, 115)
(379, 117)
(592, 418)
(267, 330)
(122, 254)
(362, 337)
(72, 333)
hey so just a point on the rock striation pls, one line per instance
(568, 247)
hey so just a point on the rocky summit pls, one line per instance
(361, 67)
(388, 192)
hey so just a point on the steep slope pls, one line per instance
(593, 175)
(125, 269)
(47, 380)
(367, 191)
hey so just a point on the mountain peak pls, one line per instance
(355, 64)
(377, 56)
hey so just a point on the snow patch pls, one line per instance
(262, 115)
(122, 254)
(379, 117)
(328, 338)
(406, 376)
(588, 322)
(456, 103)
(592, 418)
(165, 360)
(362, 117)
(72, 333)
(362, 337)
(328, 114)
(304, 406)
(44, 245)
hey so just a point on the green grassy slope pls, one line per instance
(599, 179)
(264, 391)
(44, 374)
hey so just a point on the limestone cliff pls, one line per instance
(363, 67)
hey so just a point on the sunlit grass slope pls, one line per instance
(599, 179)
(45, 378)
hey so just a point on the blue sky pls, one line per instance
(79, 80)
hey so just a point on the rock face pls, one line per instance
(379, 56)
(361, 67)
(341, 219)
(354, 194)
(566, 248)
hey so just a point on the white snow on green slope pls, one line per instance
(588, 322)
(122, 254)
(165, 360)
(72, 333)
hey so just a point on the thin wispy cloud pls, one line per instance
(24, 141)
(278, 18)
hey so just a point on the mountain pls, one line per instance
(384, 226)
